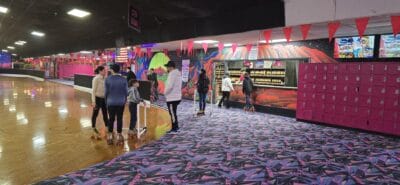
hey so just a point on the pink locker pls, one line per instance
(393, 68)
(330, 99)
(378, 91)
(322, 68)
(354, 68)
(301, 96)
(366, 79)
(392, 104)
(354, 79)
(366, 68)
(332, 68)
(332, 78)
(392, 91)
(342, 99)
(365, 90)
(353, 100)
(393, 80)
(361, 119)
(353, 90)
(365, 101)
(379, 79)
(321, 88)
(378, 102)
(390, 121)
(303, 69)
(320, 98)
(342, 69)
(321, 78)
(342, 89)
(379, 68)
(331, 89)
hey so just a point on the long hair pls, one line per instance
(98, 69)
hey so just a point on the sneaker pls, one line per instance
(173, 130)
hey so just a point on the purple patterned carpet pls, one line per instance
(234, 147)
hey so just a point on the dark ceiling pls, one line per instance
(161, 21)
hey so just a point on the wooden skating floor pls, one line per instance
(45, 131)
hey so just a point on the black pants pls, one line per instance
(115, 111)
(100, 104)
(225, 99)
(172, 107)
(133, 111)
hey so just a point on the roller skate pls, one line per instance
(201, 113)
(132, 133)
(96, 134)
(120, 139)
(110, 138)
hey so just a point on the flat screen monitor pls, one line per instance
(5, 60)
(389, 46)
(354, 47)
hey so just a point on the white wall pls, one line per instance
(315, 11)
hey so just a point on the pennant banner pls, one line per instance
(361, 24)
(267, 35)
(248, 47)
(220, 47)
(205, 47)
(395, 24)
(137, 51)
(165, 51)
(178, 52)
(190, 47)
(332, 28)
(288, 32)
(305, 28)
(234, 46)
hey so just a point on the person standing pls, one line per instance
(202, 88)
(134, 99)
(226, 88)
(173, 93)
(152, 77)
(130, 75)
(248, 90)
(116, 92)
(98, 100)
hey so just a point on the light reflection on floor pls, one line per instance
(46, 128)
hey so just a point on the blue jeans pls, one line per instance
(202, 101)
(248, 101)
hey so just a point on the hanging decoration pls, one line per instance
(332, 28)
(267, 35)
(234, 47)
(361, 24)
(205, 47)
(395, 24)
(248, 47)
(305, 29)
(190, 47)
(138, 51)
(288, 32)
(220, 47)
(178, 52)
(165, 51)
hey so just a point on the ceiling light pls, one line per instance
(86, 52)
(3, 9)
(78, 13)
(205, 41)
(61, 54)
(20, 42)
(14, 54)
(36, 33)
(4, 50)
(10, 47)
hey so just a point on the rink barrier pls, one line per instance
(34, 74)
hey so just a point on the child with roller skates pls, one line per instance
(247, 91)
(133, 99)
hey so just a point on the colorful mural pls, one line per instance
(5, 60)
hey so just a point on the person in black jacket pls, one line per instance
(247, 90)
(152, 77)
(202, 88)
(130, 75)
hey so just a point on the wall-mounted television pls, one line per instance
(354, 47)
(5, 60)
(389, 46)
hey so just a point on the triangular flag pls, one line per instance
(332, 28)
(234, 46)
(361, 24)
(220, 47)
(190, 47)
(205, 47)
(248, 47)
(288, 32)
(178, 52)
(165, 51)
(137, 52)
(395, 24)
(305, 28)
(267, 35)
